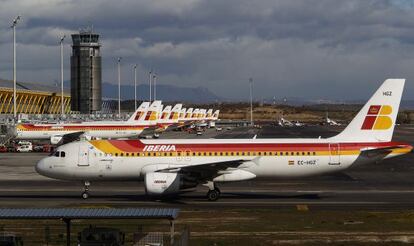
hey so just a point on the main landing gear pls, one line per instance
(85, 194)
(214, 192)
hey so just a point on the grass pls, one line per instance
(249, 227)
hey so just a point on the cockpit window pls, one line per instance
(58, 154)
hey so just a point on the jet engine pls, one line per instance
(158, 183)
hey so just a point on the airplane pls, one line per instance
(331, 122)
(208, 118)
(144, 117)
(283, 122)
(169, 118)
(173, 166)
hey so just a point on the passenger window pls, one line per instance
(62, 154)
(57, 153)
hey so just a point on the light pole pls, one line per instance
(14, 24)
(150, 92)
(135, 86)
(251, 101)
(155, 86)
(119, 86)
(61, 73)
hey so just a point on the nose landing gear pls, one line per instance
(85, 194)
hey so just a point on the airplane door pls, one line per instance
(334, 154)
(83, 158)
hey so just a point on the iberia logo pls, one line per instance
(151, 115)
(138, 116)
(378, 118)
(164, 115)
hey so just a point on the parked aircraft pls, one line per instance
(144, 117)
(173, 166)
(331, 122)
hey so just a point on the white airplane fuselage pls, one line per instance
(91, 129)
(277, 158)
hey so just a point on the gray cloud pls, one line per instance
(309, 48)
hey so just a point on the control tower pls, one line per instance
(86, 73)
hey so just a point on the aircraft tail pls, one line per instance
(166, 113)
(216, 114)
(153, 112)
(209, 114)
(175, 112)
(140, 112)
(376, 120)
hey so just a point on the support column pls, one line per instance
(171, 232)
(67, 222)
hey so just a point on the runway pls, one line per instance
(387, 185)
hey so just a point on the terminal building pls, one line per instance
(32, 98)
(38, 98)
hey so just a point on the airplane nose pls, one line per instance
(41, 167)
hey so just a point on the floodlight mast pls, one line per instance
(155, 86)
(150, 84)
(135, 86)
(119, 86)
(13, 26)
(62, 38)
(251, 100)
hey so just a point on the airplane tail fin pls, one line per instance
(209, 113)
(152, 115)
(216, 114)
(376, 120)
(138, 115)
(175, 112)
(182, 114)
(166, 113)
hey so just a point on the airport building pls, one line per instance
(38, 98)
(86, 73)
(32, 98)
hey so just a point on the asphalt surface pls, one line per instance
(386, 185)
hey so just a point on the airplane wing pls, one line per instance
(70, 137)
(149, 131)
(205, 171)
(172, 127)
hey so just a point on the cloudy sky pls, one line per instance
(295, 48)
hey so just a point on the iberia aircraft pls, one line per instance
(172, 166)
(169, 118)
(185, 118)
(144, 117)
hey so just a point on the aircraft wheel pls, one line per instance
(213, 195)
(85, 195)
